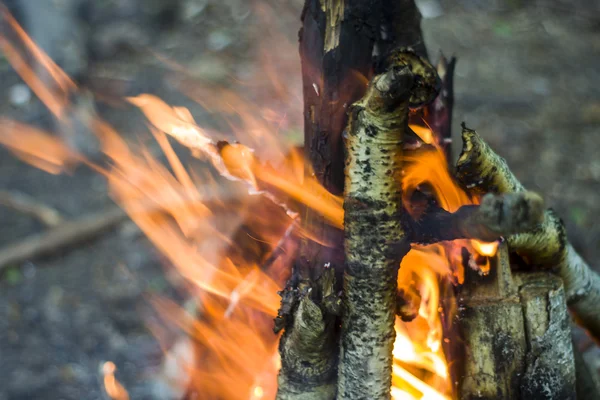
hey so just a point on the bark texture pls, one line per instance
(375, 239)
(481, 170)
(549, 361)
(492, 325)
(342, 44)
(496, 216)
(517, 335)
(307, 355)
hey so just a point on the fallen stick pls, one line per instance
(66, 234)
(481, 170)
(26, 204)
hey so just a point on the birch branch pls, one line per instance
(481, 170)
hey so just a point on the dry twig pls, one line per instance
(64, 235)
(26, 204)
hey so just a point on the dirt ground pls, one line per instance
(527, 81)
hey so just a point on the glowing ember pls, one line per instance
(113, 388)
(189, 219)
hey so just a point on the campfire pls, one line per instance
(364, 265)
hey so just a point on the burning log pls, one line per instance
(375, 239)
(438, 114)
(496, 216)
(547, 247)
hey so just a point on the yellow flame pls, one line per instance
(485, 249)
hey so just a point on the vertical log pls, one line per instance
(375, 239)
(341, 45)
(372, 220)
(492, 328)
(549, 363)
(516, 334)
(336, 47)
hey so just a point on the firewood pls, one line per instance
(342, 43)
(492, 328)
(517, 339)
(438, 114)
(375, 240)
(495, 217)
(307, 345)
(481, 171)
(549, 362)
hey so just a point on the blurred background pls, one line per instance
(527, 80)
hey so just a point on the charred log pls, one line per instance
(493, 332)
(438, 114)
(495, 217)
(549, 361)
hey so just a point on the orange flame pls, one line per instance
(47, 81)
(113, 387)
(216, 235)
(36, 147)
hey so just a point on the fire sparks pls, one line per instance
(215, 244)
(113, 388)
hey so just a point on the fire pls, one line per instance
(211, 232)
(113, 388)
(34, 146)
(485, 249)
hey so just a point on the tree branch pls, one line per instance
(481, 170)
(375, 240)
(497, 216)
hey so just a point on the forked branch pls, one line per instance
(481, 170)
